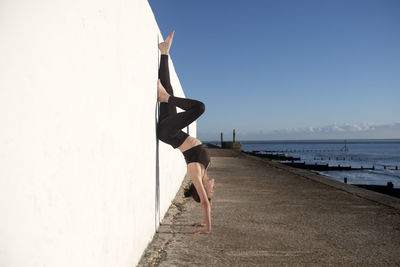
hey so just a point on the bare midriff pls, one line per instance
(189, 143)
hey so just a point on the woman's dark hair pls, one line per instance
(191, 191)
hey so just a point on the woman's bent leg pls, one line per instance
(186, 103)
(193, 110)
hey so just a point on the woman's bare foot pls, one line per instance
(162, 95)
(166, 45)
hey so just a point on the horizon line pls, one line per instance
(387, 140)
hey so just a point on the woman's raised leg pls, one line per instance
(166, 109)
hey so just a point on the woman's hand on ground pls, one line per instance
(201, 231)
(198, 224)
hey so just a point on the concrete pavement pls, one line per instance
(268, 214)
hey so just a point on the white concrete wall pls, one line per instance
(83, 179)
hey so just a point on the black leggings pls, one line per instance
(171, 122)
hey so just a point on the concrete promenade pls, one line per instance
(268, 214)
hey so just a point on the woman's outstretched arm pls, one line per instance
(206, 209)
(195, 171)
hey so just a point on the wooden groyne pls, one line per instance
(324, 167)
(290, 161)
(302, 150)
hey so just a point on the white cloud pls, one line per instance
(334, 128)
(333, 131)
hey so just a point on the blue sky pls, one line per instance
(288, 69)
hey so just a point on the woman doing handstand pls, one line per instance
(170, 131)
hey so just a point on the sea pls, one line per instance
(382, 154)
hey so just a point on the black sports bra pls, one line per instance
(197, 154)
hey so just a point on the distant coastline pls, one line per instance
(318, 141)
(369, 161)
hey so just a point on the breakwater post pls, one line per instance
(390, 185)
(232, 145)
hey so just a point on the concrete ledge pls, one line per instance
(380, 198)
(268, 214)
